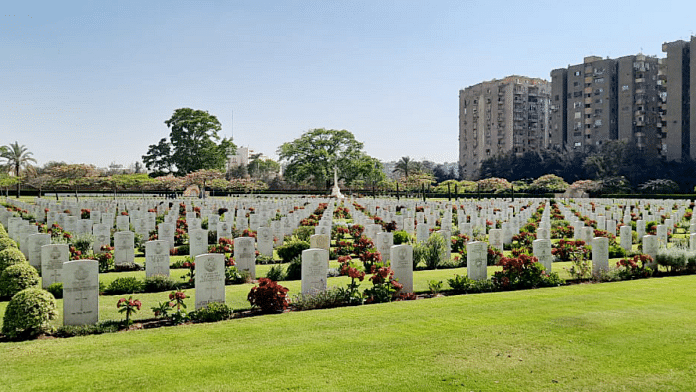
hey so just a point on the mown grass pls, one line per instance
(634, 335)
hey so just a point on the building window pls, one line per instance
(577, 73)
(598, 123)
(578, 144)
(599, 80)
(624, 87)
(578, 115)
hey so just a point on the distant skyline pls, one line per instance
(93, 82)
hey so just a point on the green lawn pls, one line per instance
(624, 336)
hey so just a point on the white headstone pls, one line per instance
(495, 239)
(600, 255)
(102, 237)
(384, 243)
(320, 241)
(209, 279)
(80, 292)
(52, 258)
(245, 255)
(198, 242)
(650, 246)
(401, 257)
(166, 232)
(626, 241)
(315, 264)
(157, 258)
(35, 242)
(124, 244)
(542, 251)
(264, 239)
(122, 223)
(422, 233)
(477, 260)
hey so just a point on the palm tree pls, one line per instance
(404, 166)
(17, 158)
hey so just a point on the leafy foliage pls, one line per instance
(268, 296)
(29, 314)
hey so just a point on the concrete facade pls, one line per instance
(678, 81)
(606, 99)
(499, 116)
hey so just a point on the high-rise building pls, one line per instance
(606, 99)
(678, 84)
(500, 116)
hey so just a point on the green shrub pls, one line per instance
(158, 283)
(3, 232)
(523, 272)
(83, 242)
(7, 242)
(330, 298)
(235, 276)
(16, 278)
(268, 296)
(291, 249)
(125, 285)
(56, 289)
(401, 237)
(11, 256)
(29, 313)
(68, 331)
(214, 311)
(675, 258)
(294, 270)
(304, 232)
(462, 284)
(430, 253)
(276, 273)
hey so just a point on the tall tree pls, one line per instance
(17, 158)
(404, 166)
(311, 158)
(73, 176)
(194, 144)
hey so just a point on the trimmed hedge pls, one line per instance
(29, 313)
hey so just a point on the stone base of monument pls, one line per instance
(336, 192)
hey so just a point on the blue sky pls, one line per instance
(93, 82)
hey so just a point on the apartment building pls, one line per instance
(678, 87)
(606, 99)
(499, 116)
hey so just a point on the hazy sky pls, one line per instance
(93, 82)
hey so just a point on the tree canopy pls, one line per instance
(311, 158)
(194, 144)
(17, 158)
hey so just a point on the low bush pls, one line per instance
(56, 289)
(523, 272)
(235, 276)
(430, 253)
(268, 296)
(304, 232)
(401, 237)
(11, 256)
(68, 331)
(294, 270)
(276, 273)
(291, 249)
(29, 314)
(330, 298)
(158, 283)
(7, 242)
(462, 284)
(125, 285)
(213, 312)
(16, 278)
